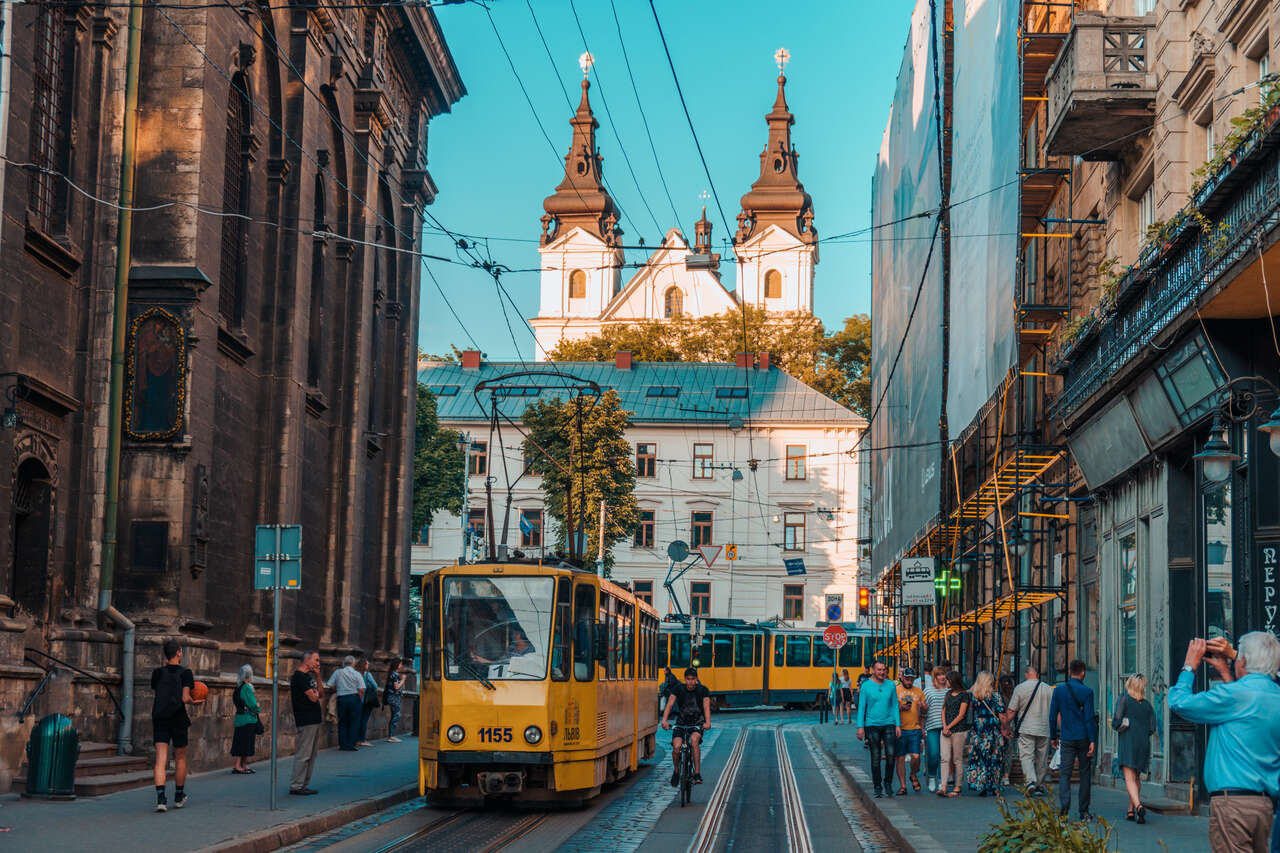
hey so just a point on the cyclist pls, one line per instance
(693, 717)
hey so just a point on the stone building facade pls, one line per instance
(281, 175)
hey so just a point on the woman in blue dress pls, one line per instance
(986, 743)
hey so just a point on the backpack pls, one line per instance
(168, 701)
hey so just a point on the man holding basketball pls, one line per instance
(173, 684)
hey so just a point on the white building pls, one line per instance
(581, 248)
(695, 430)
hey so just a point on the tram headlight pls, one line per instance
(533, 735)
(455, 734)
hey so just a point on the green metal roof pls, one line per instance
(703, 392)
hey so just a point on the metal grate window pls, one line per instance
(235, 198)
(50, 75)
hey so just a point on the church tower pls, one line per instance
(581, 244)
(776, 243)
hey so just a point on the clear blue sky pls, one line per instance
(494, 167)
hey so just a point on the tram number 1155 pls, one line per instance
(494, 734)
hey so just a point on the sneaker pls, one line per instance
(179, 799)
(1004, 780)
(393, 739)
(697, 778)
(675, 778)
(308, 791)
(933, 784)
(1086, 816)
(877, 794)
(297, 792)
(161, 803)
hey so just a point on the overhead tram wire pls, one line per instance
(657, 163)
(613, 125)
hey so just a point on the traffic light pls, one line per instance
(864, 600)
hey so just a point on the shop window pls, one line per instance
(1219, 561)
(1127, 551)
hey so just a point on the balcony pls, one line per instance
(1101, 89)
(1217, 271)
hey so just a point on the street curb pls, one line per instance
(892, 819)
(284, 834)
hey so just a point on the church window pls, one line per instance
(235, 199)
(773, 285)
(577, 285)
(673, 302)
(53, 94)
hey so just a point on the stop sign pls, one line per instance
(835, 636)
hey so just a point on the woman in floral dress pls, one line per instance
(986, 743)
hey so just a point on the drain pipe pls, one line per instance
(6, 68)
(124, 238)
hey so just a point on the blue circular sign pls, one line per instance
(833, 612)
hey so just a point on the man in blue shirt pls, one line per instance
(880, 722)
(1242, 762)
(1073, 718)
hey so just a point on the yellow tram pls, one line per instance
(537, 683)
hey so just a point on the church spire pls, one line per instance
(581, 199)
(777, 197)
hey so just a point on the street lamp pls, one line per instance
(1272, 429)
(1216, 458)
(1017, 542)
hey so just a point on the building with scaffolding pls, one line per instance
(1117, 496)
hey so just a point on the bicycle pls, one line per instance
(685, 763)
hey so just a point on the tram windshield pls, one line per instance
(497, 627)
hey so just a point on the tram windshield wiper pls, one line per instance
(468, 668)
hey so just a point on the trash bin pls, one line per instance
(52, 753)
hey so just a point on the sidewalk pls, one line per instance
(925, 823)
(225, 811)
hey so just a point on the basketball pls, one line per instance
(199, 691)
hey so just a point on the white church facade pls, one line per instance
(582, 251)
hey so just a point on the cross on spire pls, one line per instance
(585, 62)
(782, 57)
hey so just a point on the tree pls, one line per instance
(437, 464)
(837, 364)
(580, 444)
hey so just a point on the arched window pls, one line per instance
(577, 285)
(773, 285)
(673, 302)
(316, 322)
(235, 198)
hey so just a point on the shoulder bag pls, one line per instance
(1124, 721)
(1017, 727)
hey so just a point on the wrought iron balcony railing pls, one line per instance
(1172, 276)
(1102, 88)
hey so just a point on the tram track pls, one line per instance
(471, 831)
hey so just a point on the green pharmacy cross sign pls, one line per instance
(947, 581)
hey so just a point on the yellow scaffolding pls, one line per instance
(1001, 608)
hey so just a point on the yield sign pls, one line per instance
(709, 553)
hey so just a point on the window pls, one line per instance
(1220, 561)
(673, 302)
(235, 197)
(423, 536)
(644, 591)
(443, 390)
(793, 531)
(793, 601)
(52, 97)
(732, 392)
(742, 649)
(700, 523)
(475, 523)
(528, 463)
(798, 650)
(700, 598)
(531, 528)
(851, 652)
(560, 650)
(663, 391)
(646, 459)
(316, 324)
(679, 651)
(644, 532)
(1127, 549)
(584, 615)
(577, 285)
(477, 460)
(779, 650)
(1144, 7)
(1264, 71)
(796, 459)
(703, 454)
(773, 285)
(824, 656)
(1146, 209)
(1210, 141)
(722, 644)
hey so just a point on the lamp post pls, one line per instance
(1239, 404)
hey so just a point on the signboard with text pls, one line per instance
(1269, 566)
(917, 582)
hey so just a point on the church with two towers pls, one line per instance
(582, 289)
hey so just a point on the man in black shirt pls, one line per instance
(172, 684)
(306, 691)
(693, 718)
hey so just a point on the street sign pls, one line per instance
(917, 582)
(709, 553)
(794, 565)
(277, 564)
(731, 552)
(835, 607)
(835, 636)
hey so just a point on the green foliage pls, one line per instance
(1241, 127)
(838, 364)
(593, 435)
(1033, 825)
(1075, 327)
(437, 464)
